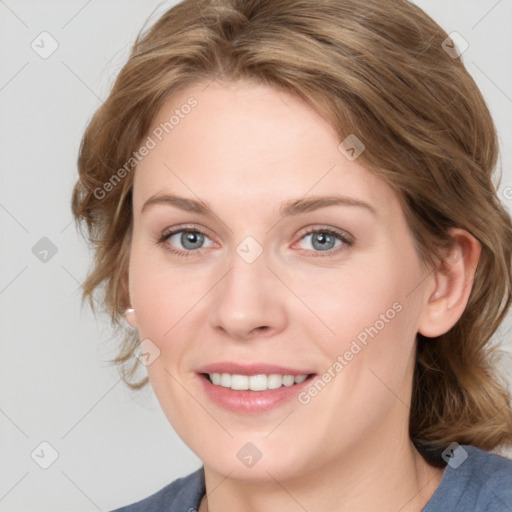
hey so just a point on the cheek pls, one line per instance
(368, 361)
(362, 298)
(372, 316)
(162, 294)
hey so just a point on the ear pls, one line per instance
(129, 313)
(130, 317)
(452, 283)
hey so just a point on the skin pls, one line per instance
(244, 150)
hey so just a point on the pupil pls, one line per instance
(323, 241)
(191, 240)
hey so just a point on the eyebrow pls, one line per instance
(289, 208)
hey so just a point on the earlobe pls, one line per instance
(453, 280)
(129, 315)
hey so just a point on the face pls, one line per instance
(262, 256)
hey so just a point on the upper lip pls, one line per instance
(251, 369)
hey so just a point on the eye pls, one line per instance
(184, 241)
(187, 241)
(325, 240)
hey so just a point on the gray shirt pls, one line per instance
(477, 481)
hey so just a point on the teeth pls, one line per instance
(300, 379)
(288, 380)
(259, 382)
(256, 382)
(238, 381)
(274, 381)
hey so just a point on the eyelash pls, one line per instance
(347, 241)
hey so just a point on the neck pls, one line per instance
(383, 476)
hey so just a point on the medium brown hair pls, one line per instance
(376, 69)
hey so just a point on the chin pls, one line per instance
(254, 461)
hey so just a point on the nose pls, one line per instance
(248, 302)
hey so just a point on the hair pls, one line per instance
(378, 70)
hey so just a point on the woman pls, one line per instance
(292, 205)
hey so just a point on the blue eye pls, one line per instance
(187, 241)
(184, 241)
(324, 240)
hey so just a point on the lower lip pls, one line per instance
(251, 402)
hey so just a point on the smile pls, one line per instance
(260, 382)
(252, 388)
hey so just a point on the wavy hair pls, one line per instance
(377, 69)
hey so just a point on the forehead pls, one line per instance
(249, 144)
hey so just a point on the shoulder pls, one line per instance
(183, 495)
(474, 480)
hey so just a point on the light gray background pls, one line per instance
(114, 446)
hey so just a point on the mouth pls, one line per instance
(258, 382)
(254, 388)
